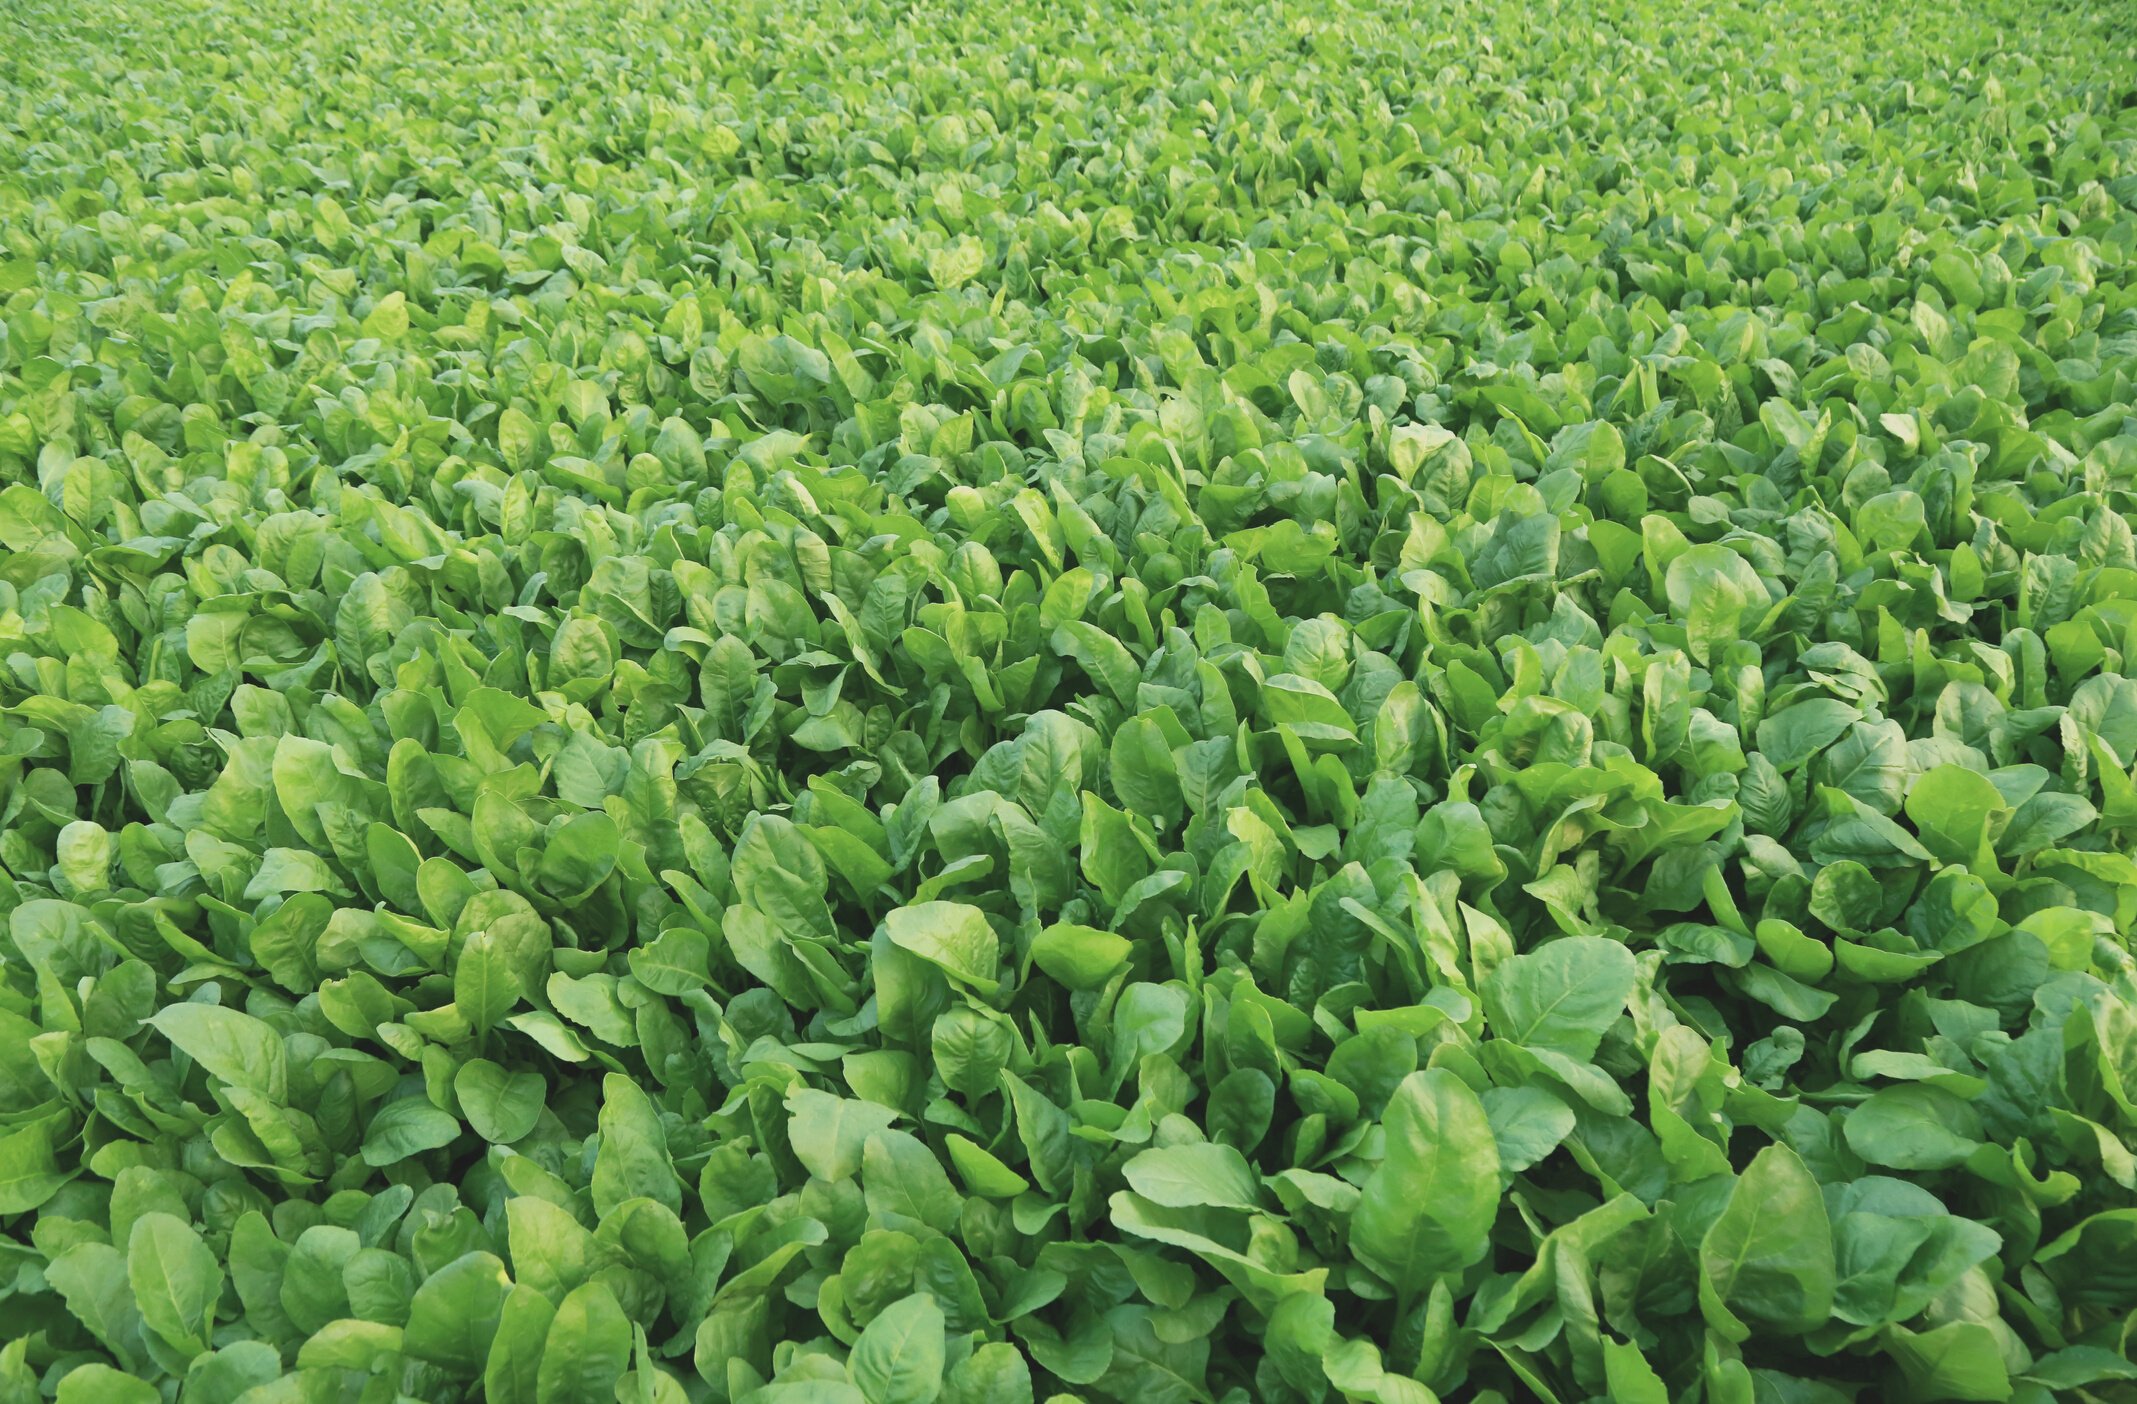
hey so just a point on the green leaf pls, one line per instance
(1201, 1173)
(1079, 957)
(406, 1127)
(499, 1105)
(234, 1047)
(1563, 996)
(633, 1161)
(899, 1357)
(995, 1373)
(904, 1181)
(954, 938)
(454, 1315)
(1767, 1261)
(351, 1344)
(1527, 1124)
(30, 1168)
(982, 1171)
(1914, 1127)
(1632, 1380)
(587, 1350)
(95, 1383)
(512, 1373)
(486, 983)
(175, 1281)
(830, 1134)
(1429, 1206)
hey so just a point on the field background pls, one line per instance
(1156, 702)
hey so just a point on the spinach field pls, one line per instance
(1164, 701)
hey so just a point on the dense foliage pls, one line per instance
(968, 702)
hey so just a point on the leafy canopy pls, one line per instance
(977, 703)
